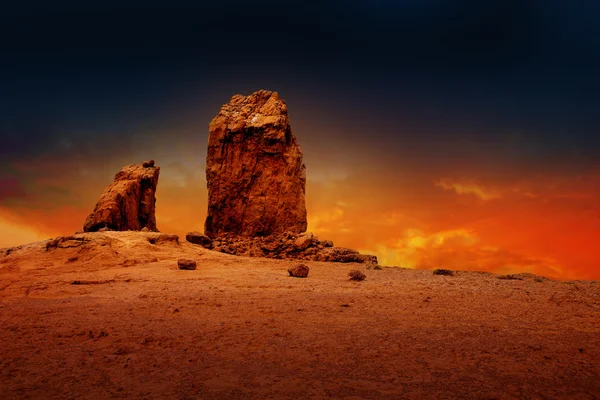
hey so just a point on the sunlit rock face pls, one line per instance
(254, 171)
(129, 202)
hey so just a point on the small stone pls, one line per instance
(440, 271)
(185, 264)
(327, 243)
(298, 271)
(145, 229)
(148, 164)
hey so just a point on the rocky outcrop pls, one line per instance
(256, 186)
(129, 202)
(288, 246)
(254, 170)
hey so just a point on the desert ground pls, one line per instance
(110, 315)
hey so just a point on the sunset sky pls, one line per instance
(436, 134)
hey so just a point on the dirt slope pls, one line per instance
(134, 326)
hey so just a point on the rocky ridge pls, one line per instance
(286, 246)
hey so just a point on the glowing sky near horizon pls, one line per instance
(547, 225)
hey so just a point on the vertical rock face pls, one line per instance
(254, 171)
(129, 202)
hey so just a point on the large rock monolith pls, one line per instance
(129, 202)
(254, 171)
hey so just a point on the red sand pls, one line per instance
(238, 328)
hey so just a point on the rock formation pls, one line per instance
(128, 203)
(254, 170)
(256, 185)
(287, 246)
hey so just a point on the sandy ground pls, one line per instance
(239, 328)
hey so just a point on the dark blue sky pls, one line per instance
(480, 73)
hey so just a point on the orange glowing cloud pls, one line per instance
(462, 250)
(469, 187)
(542, 225)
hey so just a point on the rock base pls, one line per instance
(288, 246)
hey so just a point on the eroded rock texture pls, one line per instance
(254, 170)
(288, 246)
(129, 202)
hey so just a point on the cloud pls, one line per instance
(469, 187)
(538, 188)
(460, 249)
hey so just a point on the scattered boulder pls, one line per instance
(299, 271)
(356, 275)
(145, 229)
(254, 171)
(129, 202)
(198, 238)
(186, 264)
(440, 271)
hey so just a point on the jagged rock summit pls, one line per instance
(129, 202)
(254, 171)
